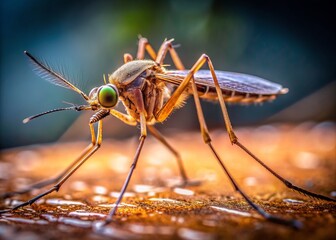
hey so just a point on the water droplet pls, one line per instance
(99, 198)
(250, 181)
(49, 217)
(75, 222)
(81, 213)
(142, 188)
(289, 200)
(306, 160)
(183, 191)
(27, 221)
(79, 186)
(12, 202)
(126, 194)
(60, 202)
(180, 219)
(100, 190)
(237, 212)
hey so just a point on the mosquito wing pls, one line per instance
(231, 81)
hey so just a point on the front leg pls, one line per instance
(142, 119)
(88, 152)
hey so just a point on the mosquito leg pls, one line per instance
(127, 58)
(91, 150)
(160, 137)
(169, 106)
(55, 179)
(234, 140)
(133, 166)
(143, 46)
(160, 56)
(207, 140)
(286, 182)
(292, 223)
(129, 120)
(165, 47)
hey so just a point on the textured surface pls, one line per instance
(304, 154)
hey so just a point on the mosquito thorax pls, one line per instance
(128, 72)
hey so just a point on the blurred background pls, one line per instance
(288, 42)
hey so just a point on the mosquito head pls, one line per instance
(105, 96)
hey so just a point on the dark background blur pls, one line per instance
(289, 42)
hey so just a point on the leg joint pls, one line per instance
(206, 57)
(57, 187)
(143, 40)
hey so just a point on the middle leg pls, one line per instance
(142, 119)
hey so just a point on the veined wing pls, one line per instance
(231, 81)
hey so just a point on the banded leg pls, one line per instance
(90, 150)
(140, 106)
(57, 178)
(159, 137)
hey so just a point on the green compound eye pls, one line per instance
(108, 96)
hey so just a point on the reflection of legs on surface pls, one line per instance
(88, 152)
(130, 173)
(161, 139)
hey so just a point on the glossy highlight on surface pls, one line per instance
(154, 206)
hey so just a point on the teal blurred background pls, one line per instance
(289, 42)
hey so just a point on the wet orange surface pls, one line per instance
(154, 207)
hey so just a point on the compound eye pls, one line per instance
(108, 96)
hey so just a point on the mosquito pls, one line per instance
(150, 93)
